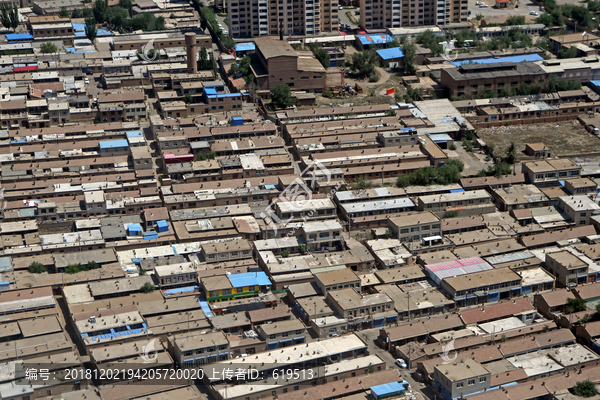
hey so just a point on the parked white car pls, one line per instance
(483, 6)
(534, 13)
(401, 363)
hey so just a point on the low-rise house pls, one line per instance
(579, 208)
(194, 348)
(461, 378)
(415, 226)
(322, 235)
(549, 172)
(483, 287)
(339, 279)
(568, 269)
(362, 311)
(282, 333)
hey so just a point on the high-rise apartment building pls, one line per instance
(379, 14)
(285, 17)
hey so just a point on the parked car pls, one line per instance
(401, 363)
(534, 13)
(87, 81)
(483, 6)
(341, 8)
(478, 3)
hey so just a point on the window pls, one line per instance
(460, 384)
(471, 382)
(482, 379)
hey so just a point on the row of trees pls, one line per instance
(447, 174)
(120, 18)
(9, 16)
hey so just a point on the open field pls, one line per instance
(564, 138)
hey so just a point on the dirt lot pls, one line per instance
(564, 138)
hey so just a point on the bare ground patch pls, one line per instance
(563, 138)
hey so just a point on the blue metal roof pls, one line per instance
(6, 264)
(390, 54)
(387, 389)
(249, 279)
(457, 190)
(245, 46)
(440, 137)
(135, 134)
(113, 144)
(162, 224)
(514, 59)
(210, 91)
(181, 290)
(19, 36)
(237, 118)
(374, 39)
(206, 308)
(224, 95)
(134, 227)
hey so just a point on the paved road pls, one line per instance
(525, 7)
(344, 18)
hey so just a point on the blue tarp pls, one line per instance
(374, 39)
(457, 190)
(113, 144)
(390, 54)
(387, 389)
(249, 279)
(514, 59)
(235, 121)
(245, 46)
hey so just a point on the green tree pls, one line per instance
(570, 53)
(327, 93)
(363, 183)
(90, 29)
(430, 40)
(515, 20)
(321, 54)
(281, 97)
(598, 309)
(204, 63)
(388, 233)
(5, 9)
(92, 265)
(36, 268)
(243, 68)
(450, 214)
(450, 172)
(363, 63)
(99, 9)
(126, 4)
(408, 61)
(14, 18)
(147, 288)
(285, 253)
(302, 249)
(48, 47)
(64, 12)
(119, 17)
(585, 389)
(511, 153)
(227, 42)
(187, 98)
(575, 305)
